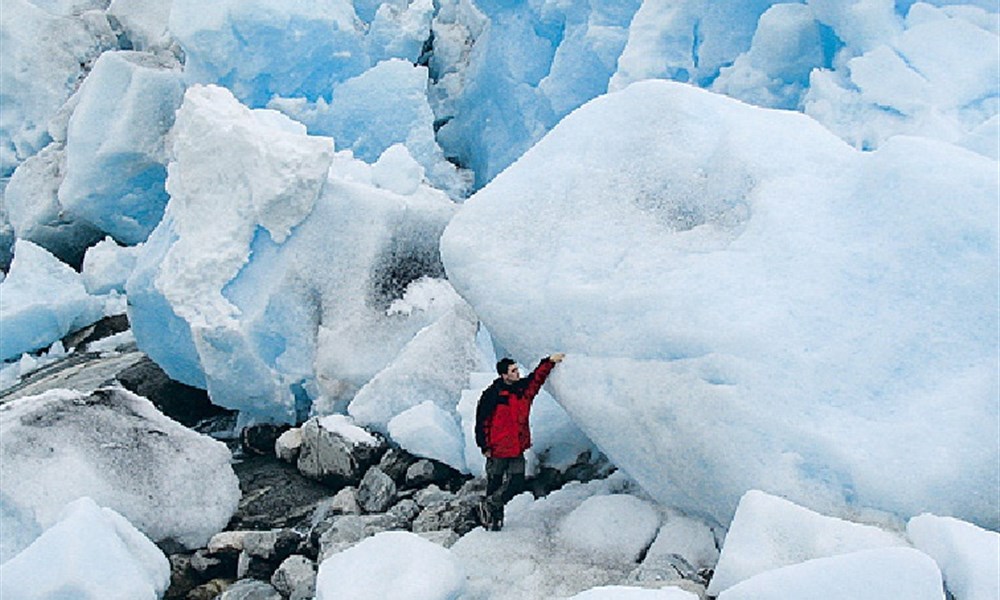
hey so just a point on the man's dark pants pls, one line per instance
(504, 480)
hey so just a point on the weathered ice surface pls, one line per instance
(116, 448)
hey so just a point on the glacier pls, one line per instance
(666, 276)
(764, 232)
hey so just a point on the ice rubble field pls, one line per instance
(800, 301)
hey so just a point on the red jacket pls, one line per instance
(502, 415)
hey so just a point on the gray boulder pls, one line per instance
(295, 578)
(337, 455)
(250, 589)
(377, 491)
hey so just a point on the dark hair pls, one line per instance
(504, 364)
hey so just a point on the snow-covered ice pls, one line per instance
(115, 149)
(665, 274)
(969, 556)
(769, 532)
(621, 592)
(116, 448)
(107, 266)
(90, 553)
(429, 431)
(41, 300)
(881, 574)
(616, 526)
(394, 565)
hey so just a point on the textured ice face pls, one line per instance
(750, 303)
(270, 280)
(116, 448)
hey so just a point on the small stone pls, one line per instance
(260, 543)
(295, 578)
(377, 491)
(209, 590)
(250, 589)
(395, 462)
(345, 502)
(212, 566)
(227, 541)
(182, 577)
(425, 472)
(432, 494)
(404, 511)
(331, 458)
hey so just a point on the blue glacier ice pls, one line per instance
(45, 55)
(269, 280)
(750, 303)
(384, 106)
(41, 300)
(115, 150)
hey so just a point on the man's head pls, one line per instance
(507, 369)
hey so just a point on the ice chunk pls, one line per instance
(616, 592)
(31, 203)
(399, 30)
(393, 565)
(786, 47)
(41, 300)
(115, 154)
(116, 448)
(861, 24)
(710, 286)
(397, 171)
(617, 527)
(935, 75)
(387, 105)
(90, 553)
(107, 266)
(532, 530)
(501, 83)
(145, 23)
(769, 532)
(270, 184)
(686, 41)
(969, 556)
(429, 431)
(433, 367)
(259, 48)
(45, 55)
(269, 280)
(882, 574)
(681, 535)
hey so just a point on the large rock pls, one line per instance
(115, 447)
(295, 578)
(337, 452)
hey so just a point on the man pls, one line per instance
(503, 434)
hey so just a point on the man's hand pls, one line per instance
(557, 357)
